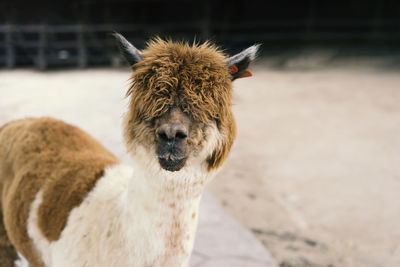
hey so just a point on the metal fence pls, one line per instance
(80, 46)
(44, 45)
(75, 45)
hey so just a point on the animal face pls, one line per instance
(180, 103)
(172, 132)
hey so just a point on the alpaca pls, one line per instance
(67, 201)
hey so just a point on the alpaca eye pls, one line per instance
(151, 122)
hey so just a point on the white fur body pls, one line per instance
(140, 216)
(21, 261)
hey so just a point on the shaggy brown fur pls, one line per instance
(7, 252)
(194, 78)
(52, 156)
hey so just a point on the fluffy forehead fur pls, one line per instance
(194, 78)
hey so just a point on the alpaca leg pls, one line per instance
(8, 254)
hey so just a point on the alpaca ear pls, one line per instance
(130, 53)
(239, 63)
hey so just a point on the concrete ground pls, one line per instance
(315, 171)
(93, 100)
(222, 241)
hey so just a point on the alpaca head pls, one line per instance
(180, 103)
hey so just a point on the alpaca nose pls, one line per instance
(172, 132)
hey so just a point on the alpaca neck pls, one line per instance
(164, 207)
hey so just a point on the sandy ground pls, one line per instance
(315, 171)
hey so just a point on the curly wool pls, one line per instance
(195, 78)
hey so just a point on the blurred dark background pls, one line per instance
(73, 33)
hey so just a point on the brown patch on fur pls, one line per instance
(52, 156)
(174, 240)
(219, 155)
(7, 252)
(193, 215)
(194, 78)
(175, 237)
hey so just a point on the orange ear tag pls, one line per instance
(233, 69)
(246, 74)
